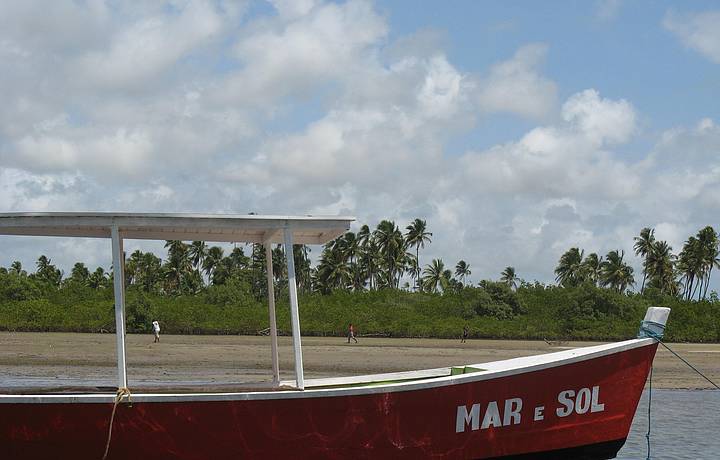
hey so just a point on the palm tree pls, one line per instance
(357, 276)
(591, 268)
(713, 261)
(643, 246)
(149, 272)
(402, 263)
(569, 269)
(416, 236)
(462, 269)
(212, 260)
(279, 263)
(350, 246)
(363, 235)
(367, 250)
(448, 283)
(47, 272)
(392, 245)
(257, 270)
(615, 273)
(509, 277)
(708, 241)
(696, 261)
(16, 268)
(690, 264)
(197, 253)
(660, 267)
(178, 265)
(414, 270)
(303, 267)
(42, 264)
(373, 260)
(332, 272)
(132, 267)
(433, 275)
(238, 258)
(80, 274)
(98, 279)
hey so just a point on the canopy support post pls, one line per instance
(271, 310)
(118, 285)
(294, 312)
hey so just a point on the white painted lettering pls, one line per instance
(492, 416)
(511, 414)
(564, 398)
(464, 418)
(497, 414)
(582, 402)
(596, 406)
(539, 413)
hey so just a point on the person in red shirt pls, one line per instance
(351, 333)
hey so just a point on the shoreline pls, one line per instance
(72, 359)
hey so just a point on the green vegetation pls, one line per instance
(361, 278)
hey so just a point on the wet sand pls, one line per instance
(59, 359)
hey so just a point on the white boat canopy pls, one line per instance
(251, 228)
(184, 227)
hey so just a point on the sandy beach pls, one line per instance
(66, 359)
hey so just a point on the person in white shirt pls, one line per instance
(156, 330)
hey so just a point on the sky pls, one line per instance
(515, 129)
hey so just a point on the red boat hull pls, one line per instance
(492, 418)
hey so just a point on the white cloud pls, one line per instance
(563, 160)
(683, 174)
(346, 202)
(292, 9)
(698, 31)
(311, 45)
(24, 191)
(313, 107)
(121, 152)
(47, 153)
(674, 233)
(371, 140)
(516, 86)
(601, 120)
(35, 27)
(150, 46)
(687, 149)
(441, 90)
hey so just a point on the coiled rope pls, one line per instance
(121, 393)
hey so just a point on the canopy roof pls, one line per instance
(184, 227)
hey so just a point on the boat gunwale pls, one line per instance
(491, 370)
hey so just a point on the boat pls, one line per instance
(575, 403)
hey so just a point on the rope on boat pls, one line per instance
(121, 393)
(647, 435)
(655, 331)
(647, 332)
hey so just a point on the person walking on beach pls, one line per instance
(156, 331)
(351, 333)
(466, 332)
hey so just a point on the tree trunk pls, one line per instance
(417, 260)
(707, 284)
(695, 289)
(645, 264)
